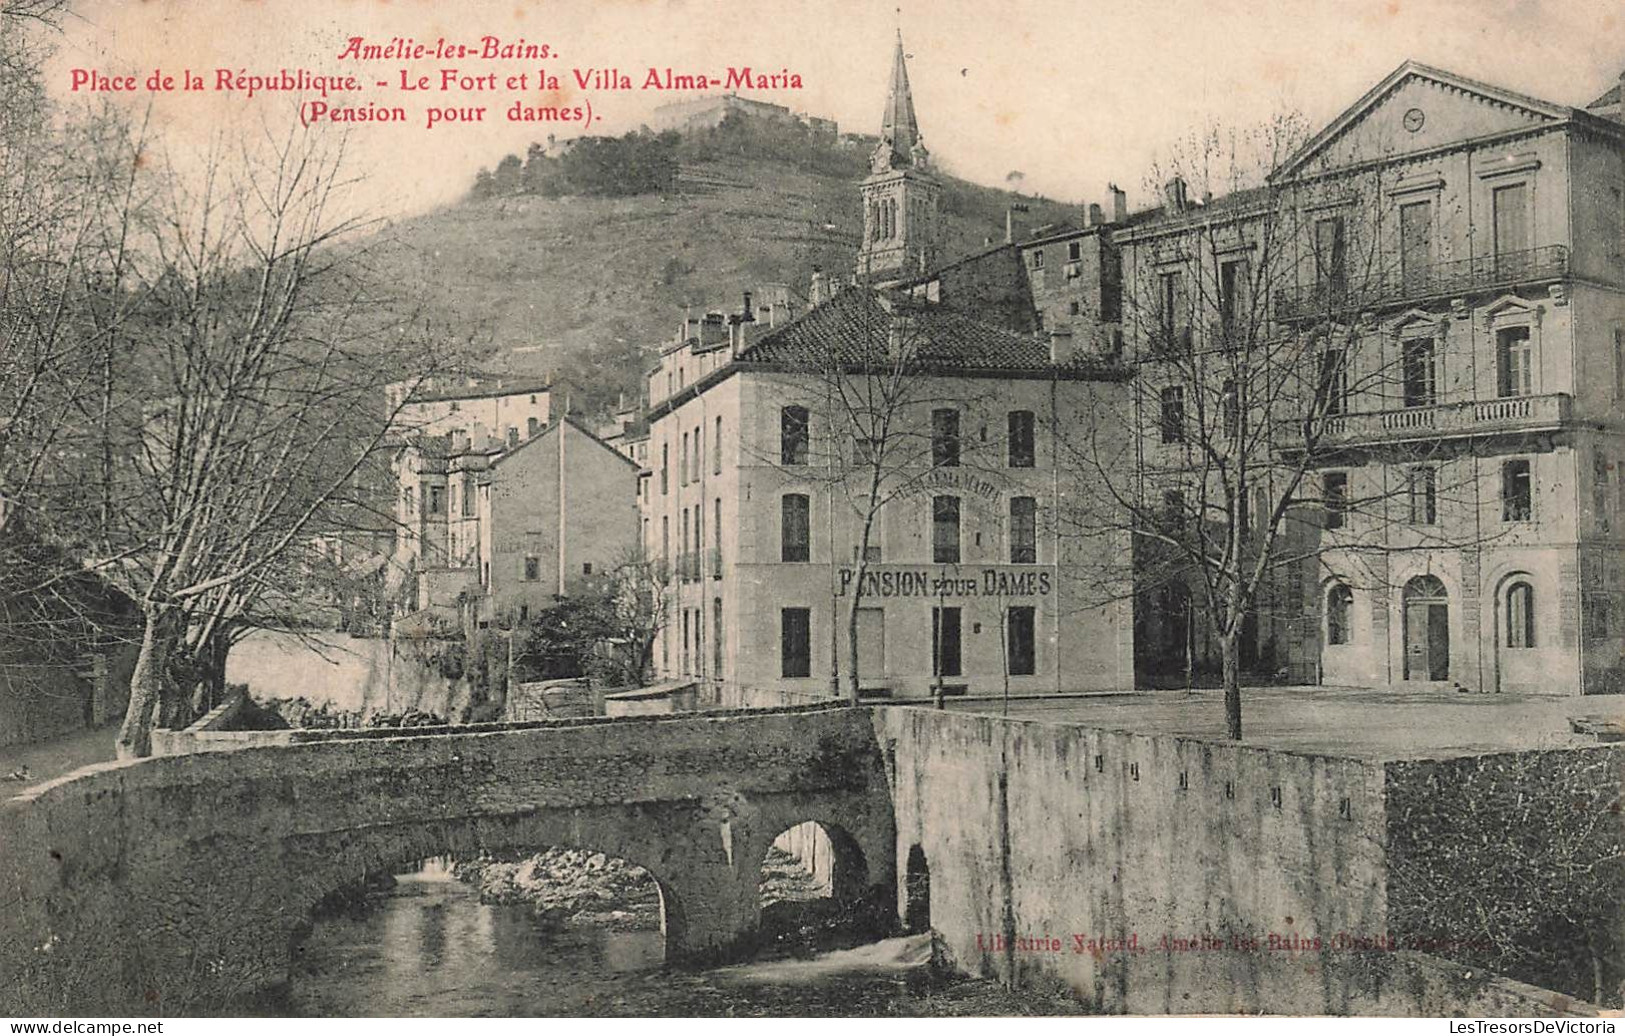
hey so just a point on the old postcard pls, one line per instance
(718, 508)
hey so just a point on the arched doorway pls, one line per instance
(1427, 629)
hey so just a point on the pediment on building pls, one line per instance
(1417, 321)
(1418, 108)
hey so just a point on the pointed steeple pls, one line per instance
(899, 131)
(900, 194)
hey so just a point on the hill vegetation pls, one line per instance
(585, 267)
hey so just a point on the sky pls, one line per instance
(1071, 94)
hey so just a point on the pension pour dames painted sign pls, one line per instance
(915, 582)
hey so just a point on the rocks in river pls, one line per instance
(570, 886)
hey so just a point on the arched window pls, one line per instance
(1339, 606)
(1520, 612)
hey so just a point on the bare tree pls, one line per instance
(1262, 311)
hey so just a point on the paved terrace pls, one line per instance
(1365, 723)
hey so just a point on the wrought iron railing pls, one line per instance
(1455, 277)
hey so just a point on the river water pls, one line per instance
(429, 947)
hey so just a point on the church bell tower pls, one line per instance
(900, 195)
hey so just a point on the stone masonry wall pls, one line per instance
(1063, 856)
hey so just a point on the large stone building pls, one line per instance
(1444, 263)
(1448, 259)
(760, 505)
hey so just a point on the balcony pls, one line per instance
(1448, 420)
(1485, 273)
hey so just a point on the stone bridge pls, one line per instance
(183, 879)
(214, 861)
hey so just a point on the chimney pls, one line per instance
(1174, 195)
(1119, 204)
(816, 293)
(747, 317)
(1096, 217)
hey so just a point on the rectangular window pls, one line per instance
(437, 500)
(1421, 491)
(1619, 365)
(1021, 642)
(1416, 244)
(1600, 492)
(945, 642)
(1418, 371)
(1168, 307)
(1517, 492)
(1230, 408)
(795, 642)
(1038, 258)
(1173, 511)
(716, 637)
(682, 464)
(1173, 414)
(1334, 383)
(687, 628)
(683, 555)
(665, 468)
(533, 569)
(716, 540)
(1514, 362)
(1022, 448)
(794, 435)
(945, 530)
(945, 438)
(1233, 297)
(665, 539)
(1023, 530)
(468, 497)
(795, 527)
(716, 449)
(1334, 492)
(699, 451)
(1074, 251)
(1511, 204)
(1331, 262)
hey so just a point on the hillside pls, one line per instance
(592, 286)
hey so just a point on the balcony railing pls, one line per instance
(1456, 277)
(1477, 417)
(716, 562)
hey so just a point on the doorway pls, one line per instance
(1427, 629)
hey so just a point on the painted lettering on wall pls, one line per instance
(920, 582)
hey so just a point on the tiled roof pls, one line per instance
(943, 340)
(1609, 98)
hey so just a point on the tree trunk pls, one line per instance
(146, 693)
(852, 652)
(1230, 648)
